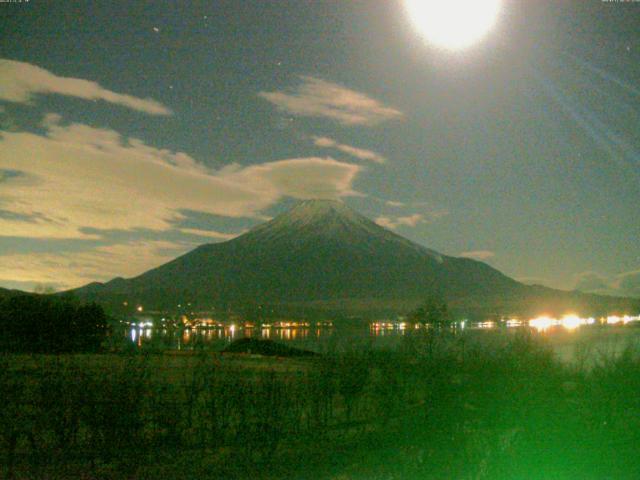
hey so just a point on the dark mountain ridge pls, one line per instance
(7, 293)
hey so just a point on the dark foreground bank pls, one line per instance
(439, 407)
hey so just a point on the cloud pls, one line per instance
(319, 98)
(359, 153)
(395, 222)
(478, 254)
(73, 269)
(76, 178)
(302, 178)
(210, 233)
(22, 81)
(625, 284)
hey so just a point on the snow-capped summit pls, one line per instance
(333, 221)
(311, 213)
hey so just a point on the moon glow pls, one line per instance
(453, 24)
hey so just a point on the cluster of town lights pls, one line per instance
(571, 322)
(542, 323)
(613, 320)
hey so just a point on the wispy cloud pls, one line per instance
(73, 269)
(395, 222)
(22, 81)
(76, 178)
(360, 153)
(392, 222)
(478, 254)
(318, 98)
(210, 233)
(301, 178)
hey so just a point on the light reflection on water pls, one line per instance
(190, 337)
(314, 337)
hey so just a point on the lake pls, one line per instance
(572, 342)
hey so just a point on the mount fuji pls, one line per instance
(322, 255)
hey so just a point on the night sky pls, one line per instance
(131, 132)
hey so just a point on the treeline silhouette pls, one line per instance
(46, 324)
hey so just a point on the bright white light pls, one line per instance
(571, 322)
(614, 319)
(453, 24)
(486, 325)
(542, 323)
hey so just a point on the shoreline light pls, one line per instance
(543, 323)
(569, 322)
(615, 319)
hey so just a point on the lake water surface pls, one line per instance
(576, 344)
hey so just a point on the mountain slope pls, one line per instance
(319, 253)
(6, 293)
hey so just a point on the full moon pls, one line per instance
(453, 24)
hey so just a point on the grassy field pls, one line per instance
(437, 407)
